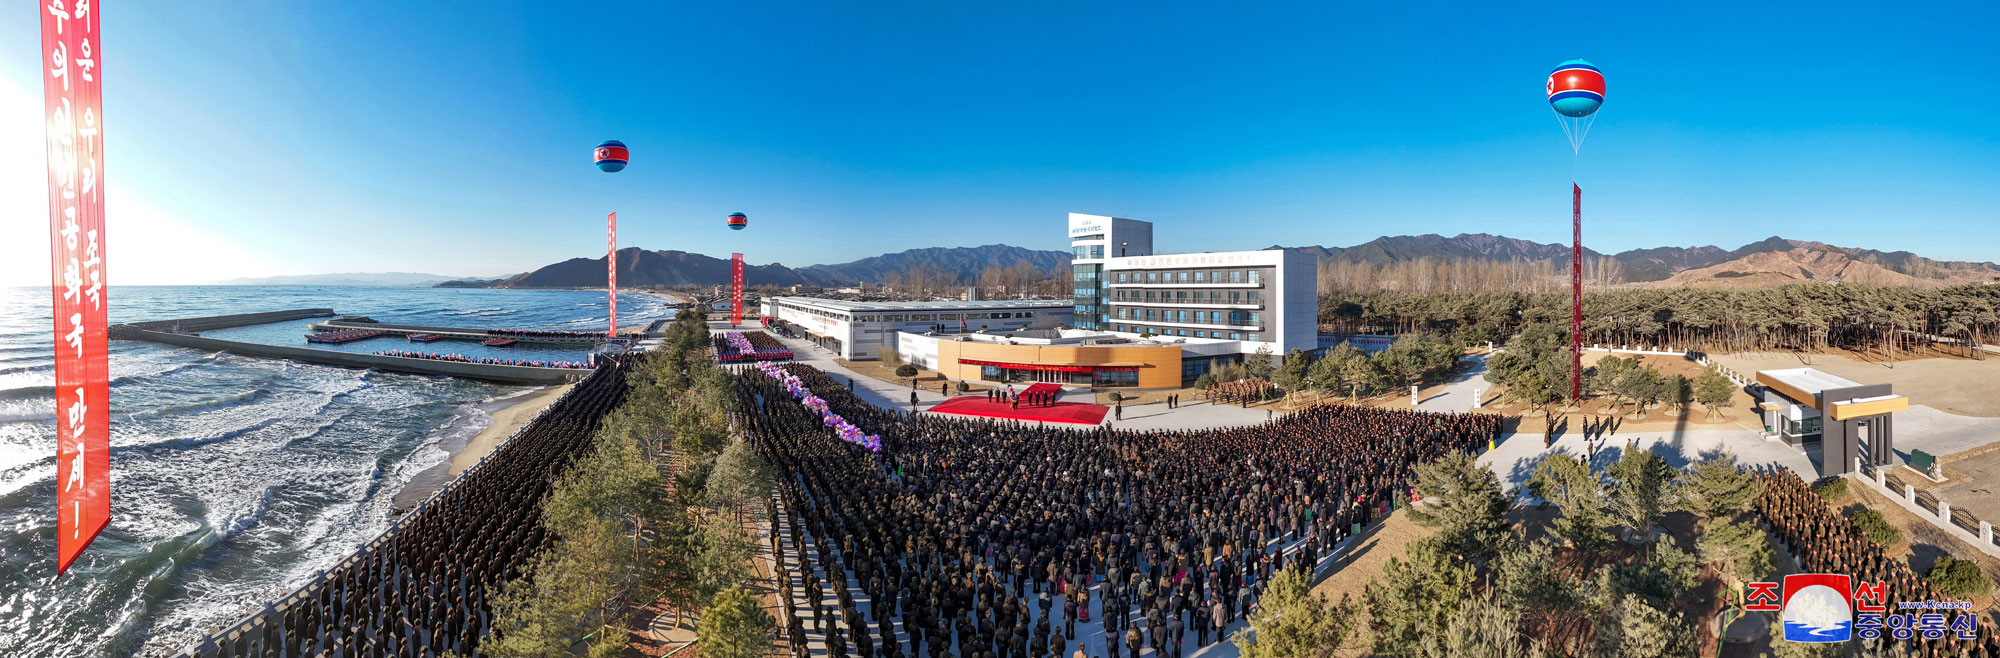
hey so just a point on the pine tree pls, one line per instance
(1634, 629)
(1640, 483)
(1714, 391)
(1415, 597)
(1667, 573)
(735, 626)
(1716, 487)
(1289, 621)
(1564, 481)
(1258, 364)
(1463, 502)
(1738, 551)
(1484, 628)
(1292, 375)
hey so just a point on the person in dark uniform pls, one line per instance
(1069, 616)
(836, 645)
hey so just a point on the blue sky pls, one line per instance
(286, 138)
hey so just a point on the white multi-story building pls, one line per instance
(863, 330)
(1261, 298)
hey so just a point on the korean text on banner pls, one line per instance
(611, 268)
(71, 89)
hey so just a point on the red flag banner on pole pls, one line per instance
(611, 268)
(1576, 294)
(72, 106)
(735, 289)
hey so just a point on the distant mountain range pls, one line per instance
(966, 262)
(1767, 262)
(638, 267)
(343, 279)
(1773, 261)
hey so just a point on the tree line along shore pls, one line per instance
(1886, 323)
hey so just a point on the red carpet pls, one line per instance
(1061, 412)
(1044, 388)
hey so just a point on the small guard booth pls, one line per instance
(1803, 404)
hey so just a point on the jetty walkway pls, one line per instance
(186, 332)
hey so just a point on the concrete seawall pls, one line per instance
(214, 322)
(454, 332)
(151, 331)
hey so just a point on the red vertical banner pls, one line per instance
(735, 289)
(1576, 294)
(72, 98)
(611, 267)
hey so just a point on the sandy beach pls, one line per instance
(506, 420)
(505, 423)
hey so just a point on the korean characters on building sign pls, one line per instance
(1173, 261)
(71, 93)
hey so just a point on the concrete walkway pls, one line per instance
(1515, 458)
(1940, 433)
(1457, 395)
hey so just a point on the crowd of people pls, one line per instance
(1027, 398)
(979, 538)
(1824, 541)
(344, 335)
(1242, 392)
(745, 346)
(487, 360)
(544, 333)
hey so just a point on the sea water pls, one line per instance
(233, 478)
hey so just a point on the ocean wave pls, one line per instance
(241, 522)
(204, 405)
(316, 431)
(37, 367)
(363, 384)
(12, 417)
(29, 475)
(28, 392)
(194, 441)
(197, 363)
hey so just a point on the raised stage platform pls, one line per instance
(1078, 413)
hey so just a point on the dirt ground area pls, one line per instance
(1951, 384)
(1970, 480)
(1354, 568)
(1923, 543)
